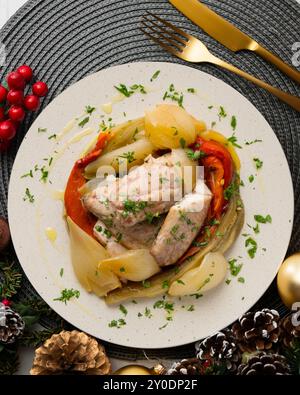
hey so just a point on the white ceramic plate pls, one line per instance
(271, 193)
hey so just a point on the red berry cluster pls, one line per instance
(13, 103)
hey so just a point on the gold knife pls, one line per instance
(229, 35)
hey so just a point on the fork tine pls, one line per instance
(165, 46)
(172, 42)
(175, 37)
(171, 26)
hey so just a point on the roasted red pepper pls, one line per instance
(217, 150)
(73, 205)
(214, 175)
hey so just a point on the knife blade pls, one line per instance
(227, 34)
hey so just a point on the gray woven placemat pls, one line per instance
(65, 40)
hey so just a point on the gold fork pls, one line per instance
(189, 48)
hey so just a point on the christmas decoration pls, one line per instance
(191, 366)
(290, 330)
(288, 280)
(70, 353)
(257, 330)
(13, 103)
(11, 325)
(135, 370)
(263, 364)
(221, 349)
(4, 234)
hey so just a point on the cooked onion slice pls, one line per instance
(134, 265)
(86, 252)
(208, 275)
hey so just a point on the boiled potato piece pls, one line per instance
(208, 275)
(169, 126)
(134, 153)
(86, 253)
(134, 265)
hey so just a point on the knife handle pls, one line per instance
(276, 61)
(291, 100)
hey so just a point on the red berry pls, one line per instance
(26, 72)
(3, 93)
(16, 113)
(2, 114)
(31, 102)
(16, 80)
(15, 97)
(6, 302)
(40, 88)
(7, 130)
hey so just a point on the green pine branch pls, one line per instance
(10, 280)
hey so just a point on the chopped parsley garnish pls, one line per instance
(191, 90)
(258, 163)
(127, 92)
(233, 122)
(50, 161)
(89, 109)
(159, 304)
(253, 142)
(251, 178)
(45, 174)
(130, 206)
(234, 267)
(146, 284)
(147, 312)
(230, 191)
(150, 217)
(222, 113)
(61, 272)
(210, 107)
(206, 281)
(228, 281)
(117, 323)
(263, 220)
(122, 269)
(67, 294)
(155, 75)
(123, 309)
(233, 140)
(194, 155)
(29, 174)
(165, 284)
(124, 90)
(173, 95)
(129, 156)
(253, 247)
(191, 308)
(84, 122)
(180, 282)
(200, 243)
(256, 229)
(163, 327)
(42, 130)
(241, 280)
(28, 196)
(119, 237)
(213, 124)
(182, 142)
(53, 136)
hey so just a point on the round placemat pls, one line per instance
(66, 40)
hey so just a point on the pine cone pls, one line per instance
(264, 364)
(257, 331)
(70, 353)
(289, 333)
(221, 349)
(191, 366)
(11, 325)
